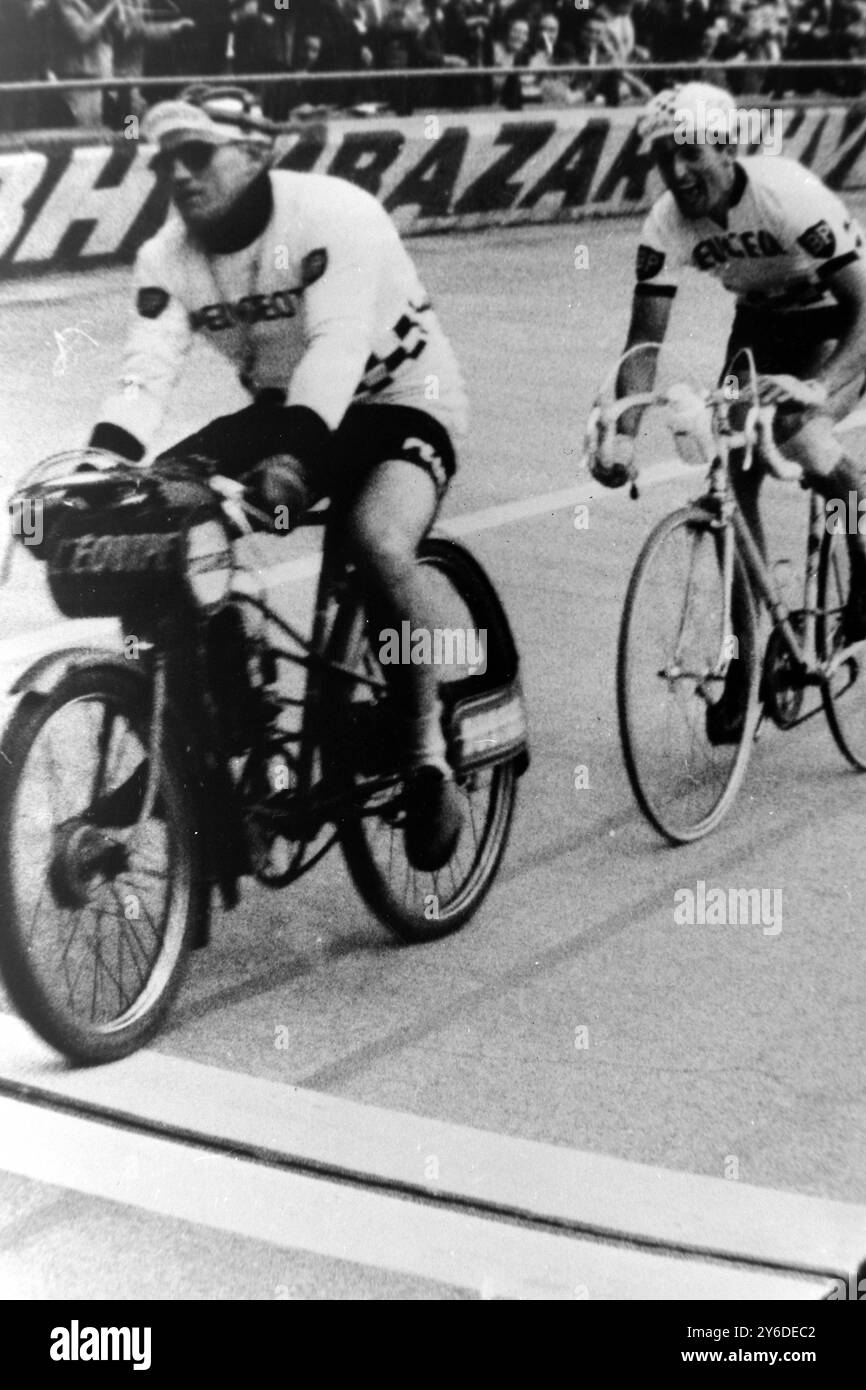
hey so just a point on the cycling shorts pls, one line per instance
(794, 341)
(797, 342)
(369, 435)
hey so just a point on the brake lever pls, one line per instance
(785, 469)
(236, 506)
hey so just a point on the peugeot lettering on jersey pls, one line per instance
(324, 309)
(786, 235)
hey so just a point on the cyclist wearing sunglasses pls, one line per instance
(793, 256)
(302, 282)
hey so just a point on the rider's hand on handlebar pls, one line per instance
(781, 389)
(281, 487)
(612, 463)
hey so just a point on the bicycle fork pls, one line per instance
(718, 669)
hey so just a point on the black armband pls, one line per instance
(117, 441)
(645, 289)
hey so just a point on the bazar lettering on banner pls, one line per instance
(68, 205)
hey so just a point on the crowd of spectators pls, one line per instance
(53, 40)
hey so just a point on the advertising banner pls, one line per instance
(67, 205)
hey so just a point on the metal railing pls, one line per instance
(372, 75)
(36, 108)
(405, 89)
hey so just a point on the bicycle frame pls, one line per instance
(802, 648)
(318, 793)
(756, 429)
(315, 800)
(687, 717)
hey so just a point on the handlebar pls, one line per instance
(242, 512)
(236, 506)
(66, 478)
(698, 412)
(786, 470)
(782, 389)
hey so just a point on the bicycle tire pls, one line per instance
(846, 725)
(648, 760)
(28, 972)
(408, 920)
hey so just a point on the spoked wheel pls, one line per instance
(844, 694)
(418, 905)
(98, 910)
(671, 671)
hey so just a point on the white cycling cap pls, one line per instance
(213, 115)
(690, 111)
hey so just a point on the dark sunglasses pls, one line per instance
(194, 155)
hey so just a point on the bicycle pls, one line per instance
(692, 609)
(130, 789)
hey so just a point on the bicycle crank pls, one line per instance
(784, 680)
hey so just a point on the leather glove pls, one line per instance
(283, 488)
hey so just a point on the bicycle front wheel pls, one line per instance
(417, 905)
(844, 694)
(676, 662)
(98, 904)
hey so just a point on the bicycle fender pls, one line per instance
(38, 677)
(45, 675)
(37, 662)
(505, 668)
(507, 656)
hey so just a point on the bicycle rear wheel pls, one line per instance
(670, 671)
(844, 695)
(416, 905)
(98, 909)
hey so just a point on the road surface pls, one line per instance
(574, 1010)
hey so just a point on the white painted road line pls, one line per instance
(545, 504)
(536, 1181)
(344, 1222)
(503, 514)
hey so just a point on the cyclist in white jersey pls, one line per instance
(775, 236)
(303, 283)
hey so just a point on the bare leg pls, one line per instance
(386, 525)
(836, 475)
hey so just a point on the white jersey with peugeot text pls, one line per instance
(326, 306)
(786, 235)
